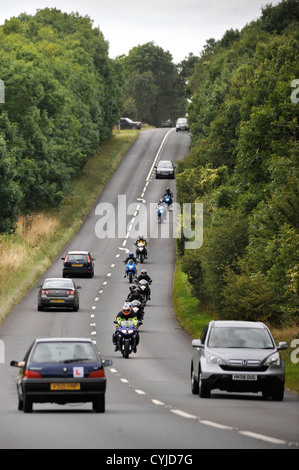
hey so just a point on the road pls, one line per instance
(149, 404)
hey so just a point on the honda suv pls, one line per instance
(237, 356)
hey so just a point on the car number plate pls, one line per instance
(77, 265)
(250, 377)
(65, 386)
(59, 301)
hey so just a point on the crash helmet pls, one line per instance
(131, 254)
(127, 308)
(141, 237)
(136, 305)
(143, 272)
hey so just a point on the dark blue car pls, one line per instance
(62, 370)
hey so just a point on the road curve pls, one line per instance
(149, 404)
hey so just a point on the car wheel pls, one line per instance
(20, 405)
(27, 405)
(194, 382)
(98, 405)
(278, 393)
(40, 309)
(203, 390)
(75, 309)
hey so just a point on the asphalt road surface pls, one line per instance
(149, 404)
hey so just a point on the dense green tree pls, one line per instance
(151, 73)
(244, 121)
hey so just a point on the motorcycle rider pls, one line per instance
(138, 309)
(129, 258)
(126, 314)
(135, 295)
(145, 276)
(168, 193)
(142, 241)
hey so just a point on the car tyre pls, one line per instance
(204, 391)
(278, 393)
(27, 405)
(98, 405)
(194, 382)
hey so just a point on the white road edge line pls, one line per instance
(262, 437)
(183, 414)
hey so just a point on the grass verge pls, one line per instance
(38, 239)
(193, 319)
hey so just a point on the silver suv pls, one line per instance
(237, 356)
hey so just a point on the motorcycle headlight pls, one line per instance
(130, 331)
(273, 360)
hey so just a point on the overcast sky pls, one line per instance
(178, 26)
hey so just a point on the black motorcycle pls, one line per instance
(140, 251)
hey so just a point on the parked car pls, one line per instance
(166, 123)
(237, 356)
(181, 125)
(127, 123)
(59, 293)
(61, 370)
(165, 169)
(78, 263)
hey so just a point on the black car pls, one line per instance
(166, 123)
(165, 169)
(78, 263)
(58, 292)
(61, 370)
(127, 123)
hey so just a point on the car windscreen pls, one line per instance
(253, 338)
(63, 352)
(165, 165)
(59, 284)
(75, 258)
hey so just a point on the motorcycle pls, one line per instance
(168, 200)
(127, 337)
(131, 270)
(144, 290)
(138, 310)
(140, 251)
(162, 212)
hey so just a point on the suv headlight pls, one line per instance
(214, 359)
(273, 360)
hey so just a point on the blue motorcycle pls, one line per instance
(162, 212)
(127, 337)
(168, 200)
(131, 270)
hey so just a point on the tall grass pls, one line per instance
(38, 238)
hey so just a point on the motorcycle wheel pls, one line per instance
(126, 350)
(130, 278)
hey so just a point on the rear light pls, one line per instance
(44, 292)
(31, 374)
(67, 257)
(97, 374)
(70, 292)
(88, 259)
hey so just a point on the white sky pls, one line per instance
(178, 26)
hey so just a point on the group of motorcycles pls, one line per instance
(128, 321)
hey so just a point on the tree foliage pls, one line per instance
(244, 121)
(62, 99)
(154, 83)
